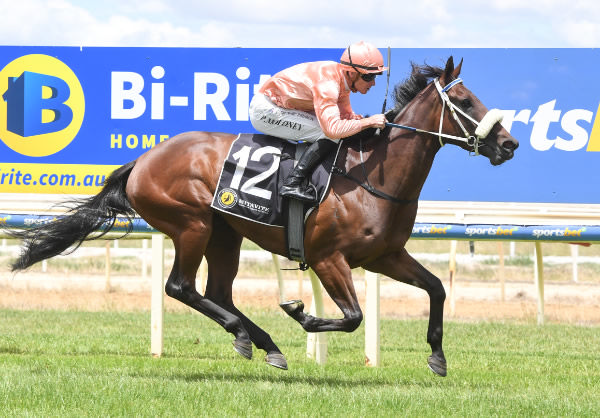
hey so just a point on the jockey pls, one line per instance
(311, 102)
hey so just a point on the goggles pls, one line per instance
(368, 77)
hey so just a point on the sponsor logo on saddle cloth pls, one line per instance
(252, 175)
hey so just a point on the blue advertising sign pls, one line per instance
(561, 233)
(549, 233)
(69, 115)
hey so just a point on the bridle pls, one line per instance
(484, 126)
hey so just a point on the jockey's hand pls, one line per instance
(375, 121)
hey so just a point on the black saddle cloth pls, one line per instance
(253, 172)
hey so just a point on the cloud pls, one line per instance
(39, 22)
(584, 33)
(300, 23)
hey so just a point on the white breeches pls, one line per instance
(290, 124)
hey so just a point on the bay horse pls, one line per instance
(172, 185)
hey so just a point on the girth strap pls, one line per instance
(295, 224)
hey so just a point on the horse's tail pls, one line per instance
(85, 216)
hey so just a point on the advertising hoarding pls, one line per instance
(70, 115)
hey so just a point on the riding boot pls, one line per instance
(294, 185)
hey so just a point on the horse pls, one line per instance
(364, 220)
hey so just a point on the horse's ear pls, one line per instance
(448, 71)
(451, 72)
(456, 71)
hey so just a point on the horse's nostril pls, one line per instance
(510, 145)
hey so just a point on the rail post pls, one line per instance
(574, 262)
(501, 271)
(539, 282)
(157, 302)
(279, 277)
(452, 268)
(372, 319)
(316, 343)
(107, 285)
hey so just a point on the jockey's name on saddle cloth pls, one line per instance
(253, 173)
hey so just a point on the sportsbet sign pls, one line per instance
(70, 116)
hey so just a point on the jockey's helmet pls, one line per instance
(363, 57)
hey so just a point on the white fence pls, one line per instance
(435, 220)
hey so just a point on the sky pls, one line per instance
(302, 23)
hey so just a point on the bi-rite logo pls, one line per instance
(43, 104)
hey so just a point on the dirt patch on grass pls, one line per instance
(565, 303)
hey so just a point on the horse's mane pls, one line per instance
(404, 92)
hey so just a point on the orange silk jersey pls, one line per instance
(319, 87)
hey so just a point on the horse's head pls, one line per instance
(468, 122)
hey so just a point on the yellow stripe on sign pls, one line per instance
(53, 178)
(594, 142)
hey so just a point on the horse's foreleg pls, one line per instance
(402, 267)
(336, 277)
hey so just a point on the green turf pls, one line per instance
(98, 364)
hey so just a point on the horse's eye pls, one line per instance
(466, 104)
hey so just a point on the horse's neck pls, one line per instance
(410, 154)
(406, 158)
(409, 160)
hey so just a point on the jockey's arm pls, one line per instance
(327, 110)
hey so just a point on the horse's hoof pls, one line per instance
(276, 360)
(292, 307)
(243, 348)
(437, 365)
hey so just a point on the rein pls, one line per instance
(483, 129)
(366, 185)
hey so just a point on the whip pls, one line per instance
(389, 57)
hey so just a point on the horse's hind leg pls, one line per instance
(402, 267)
(190, 245)
(222, 255)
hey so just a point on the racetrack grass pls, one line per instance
(98, 364)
